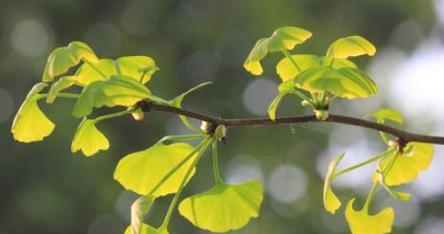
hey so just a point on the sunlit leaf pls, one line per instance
(360, 222)
(89, 139)
(117, 90)
(331, 201)
(382, 115)
(177, 102)
(287, 70)
(62, 59)
(139, 209)
(344, 82)
(351, 46)
(30, 123)
(146, 229)
(140, 68)
(224, 207)
(337, 63)
(62, 84)
(101, 70)
(285, 38)
(285, 88)
(416, 158)
(141, 171)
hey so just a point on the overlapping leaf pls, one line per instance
(139, 209)
(117, 90)
(285, 38)
(350, 46)
(361, 222)
(287, 70)
(63, 83)
(62, 59)
(331, 201)
(416, 158)
(146, 229)
(140, 68)
(30, 123)
(345, 82)
(224, 207)
(285, 88)
(382, 115)
(89, 139)
(88, 73)
(142, 171)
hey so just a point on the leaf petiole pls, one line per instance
(217, 177)
(291, 59)
(113, 115)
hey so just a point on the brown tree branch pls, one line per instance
(403, 136)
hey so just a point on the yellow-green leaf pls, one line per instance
(287, 70)
(117, 90)
(140, 68)
(382, 115)
(224, 207)
(89, 139)
(345, 82)
(142, 171)
(351, 46)
(331, 201)
(360, 222)
(285, 38)
(337, 63)
(416, 158)
(285, 88)
(62, 84)
(147, 229)
(139, 209)
(30, 123)
(62, 59)
(88, 73)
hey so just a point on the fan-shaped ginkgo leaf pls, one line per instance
(336, 63)
(140, 68)
(382, 115)
(344, 82)
(30, 123)
(224, 207)
(88, 73)
(287, 70)
(117, 90)
(415, 158)
(139, 209)
(285, 38)
(89, 139)
(360, 222)
(62, 59)
(146, 229)
(331, 201)
(351, 46)
(142, 171)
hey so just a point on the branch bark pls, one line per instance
(403, 136)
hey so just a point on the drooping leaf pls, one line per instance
(30, 123)
(382, 115)
(415, 158)
(360, 222)
(62, 84)
(63, 58)
(147, 229)
(142, 171)
(344, 82)
(89, 139)
(287, 70)
(101, 70)
(139, 209)
(331, 201)
(177, 102)
(285, 88)
(117, 90)
(224, 207)
(351, 46)
(137, 66)
(285, 38)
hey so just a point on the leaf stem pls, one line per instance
(62, 95)
(181, 137)
(370, 196)
(216, 171)
(291, 59)
(113, 115)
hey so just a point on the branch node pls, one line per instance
(146, 106)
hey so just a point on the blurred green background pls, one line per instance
(45, 189)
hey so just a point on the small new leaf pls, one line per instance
(89, 139)
(360, 222)
(30, 123)
(224, 207)
(351, 46)
(331, 201)
(285, 38)
(382, 115)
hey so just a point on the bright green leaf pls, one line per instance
(30, 123)
(146, 229)
(141, 171)
(140, 68)
(117, 90)
(62, 59)
(274, 105)
(177, 102)
(337, 63)
(88, 73)
(285, 38)
(344, 82)
(382, 115)
(331, 201)
(351, 46)
(62, 84)
(224, 207)
(89, 139)
(360, 222)
(139, 209)
(288, 71)
(416, 158)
